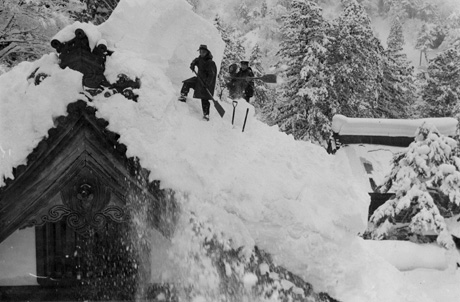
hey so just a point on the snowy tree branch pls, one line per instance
(7, 50)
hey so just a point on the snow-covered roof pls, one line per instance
(372, 143)
(389, 127)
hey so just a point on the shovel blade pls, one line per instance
(268, 78)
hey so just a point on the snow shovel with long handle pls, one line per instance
(234, 103)
(245, 118)
(218, 107)
(267, 78)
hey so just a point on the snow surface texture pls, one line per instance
(259, 186)
(407, 256)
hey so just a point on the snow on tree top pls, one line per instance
(389, 127)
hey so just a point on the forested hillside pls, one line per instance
(374, 58)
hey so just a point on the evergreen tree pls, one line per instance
(338, 68)
(441, 93)
(453, 19)
(426, 181)
(424, 41)
(398, 85)
(264, 9)
(366, 80)
(355, 65)
(243, 12)
(304, 112)
(261, 90)
(397, 88)
(397, 12)
(395, 39)
(96, 11)
(233, 53)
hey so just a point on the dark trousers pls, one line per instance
(191, 83)
(205, 105)
(187, 84)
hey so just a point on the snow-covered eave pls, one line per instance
(370, 127)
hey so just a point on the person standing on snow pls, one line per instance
(245, 72)
(205, 81)
(233, 84)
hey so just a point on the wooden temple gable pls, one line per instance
(82, 162)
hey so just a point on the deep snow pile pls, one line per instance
(255, 187)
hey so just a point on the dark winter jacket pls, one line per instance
(207, 71)
(235, 86)
(249, 84)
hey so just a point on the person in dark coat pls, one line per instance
(205, 81)
(234, 85)
(248, 84)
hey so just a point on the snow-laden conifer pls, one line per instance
(441, 93)
(234, 52)
(426, 181)
(355, 64)
(398, 87)
(395, 39)
(261, 90)
(303, 51)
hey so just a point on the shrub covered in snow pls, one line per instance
(426, 181)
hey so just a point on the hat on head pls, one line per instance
(232, 68)
(202, 46)
(245, 62)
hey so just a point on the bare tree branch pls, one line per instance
(7, 50)
(109, 4)
(8, 23)
(12, 41)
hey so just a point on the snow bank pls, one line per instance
(389, 127)
(167, 32)
(259, 186)
(406, 255)
(440, 286)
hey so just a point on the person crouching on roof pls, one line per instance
(204, 83)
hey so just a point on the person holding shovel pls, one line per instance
(204, 82)
(247, 75)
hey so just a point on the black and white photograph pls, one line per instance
(230, 150)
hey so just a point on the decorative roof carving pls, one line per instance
(86, 206)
